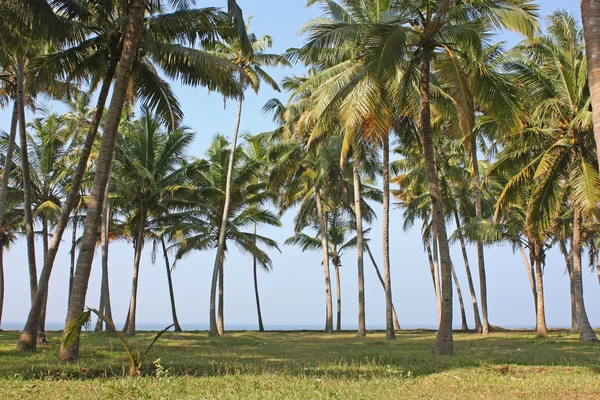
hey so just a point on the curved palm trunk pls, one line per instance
(362, 328)
(170, 281)
(221, 244)
(444, 341)
(325, 248)
(26, 183)
(485, 327)
(590, 13)
(261, 327)
(338, 288)
(25, 342)
(105, 307)
(139, 246)
(539, 280)
(586, 333)
(529, 269)
(105, 156)
(390, 334)
(220, 310)
(463, 315)
(8, 160)
(396, 322)
(463, 248)
(569, 267)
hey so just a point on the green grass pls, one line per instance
(302, 365)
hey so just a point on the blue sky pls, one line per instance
(293, 293)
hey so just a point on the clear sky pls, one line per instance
(293, 293)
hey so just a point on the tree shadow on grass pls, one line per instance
(304, 354)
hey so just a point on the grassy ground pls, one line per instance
(302, 365)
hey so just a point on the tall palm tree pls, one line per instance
(130, 43)
(251, 62)
(420, 33)
(558, 162)
(96, 58)
(92, 222)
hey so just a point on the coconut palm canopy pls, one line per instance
(449, 142)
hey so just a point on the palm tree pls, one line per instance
(590, 14)
(98, 55)
(422, 32)
(130, 43)
(558, 164)
(84, 262)
(251, 63)
(199, 228)
(147, 173)
(338, 229)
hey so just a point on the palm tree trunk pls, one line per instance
(485, 328)
(99, 323)
(261, 327)
(26, 183)
(325, 248)
(444, 341)
(338, 288)
(42, 331)
(463, 247)
(362, 328)
(220, 309)
(170, 282)
(530, 274)
(73, 254)
(569, 267)
(463, 315)
(25, 342)
(590, 13)
(390, 334)
(8, 160)
(586, 333)
(541, 312)
(221, 243)
(104, 239)
(396, 322)
(435, 271)
(139, 245)
(105, 156)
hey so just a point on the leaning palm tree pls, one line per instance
(130, 43)
(95, 58)
(251, 63)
